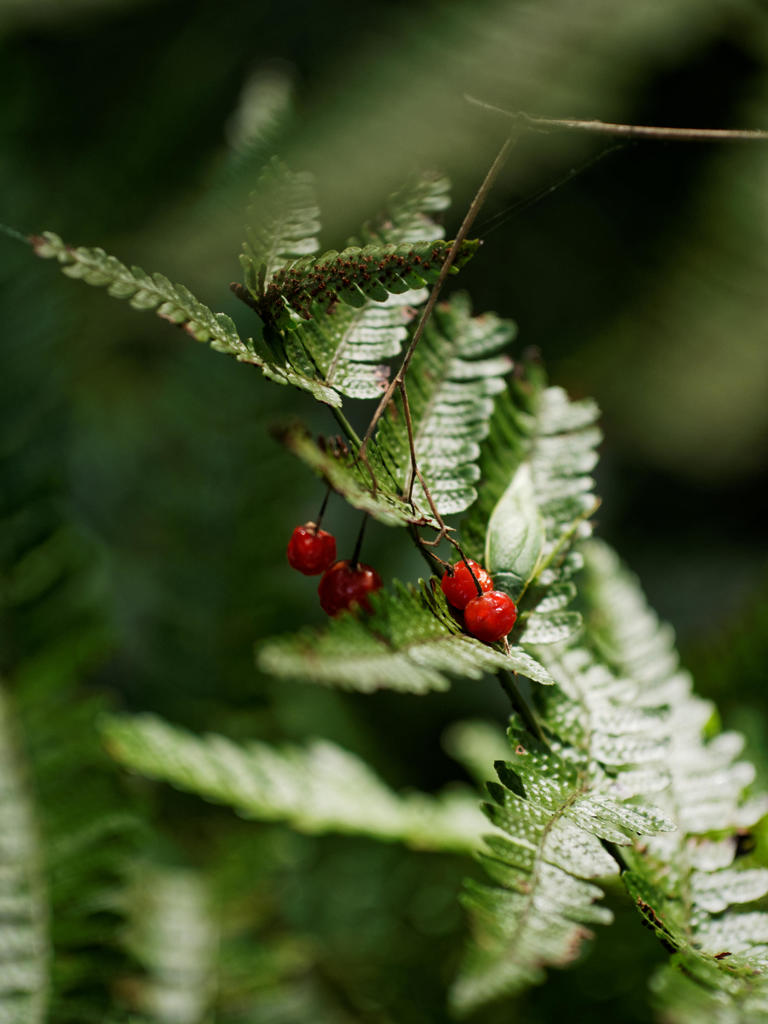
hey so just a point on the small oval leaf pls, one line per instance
(515, 537)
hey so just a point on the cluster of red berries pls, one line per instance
(344, 583)
(488, 614)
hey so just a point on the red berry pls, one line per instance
(460, 588)
(345, 585)
(490, 616)
(310, 550)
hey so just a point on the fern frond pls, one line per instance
(408, 213)
(89, 832)
(559, 802)
(53, 625)
(455, 373)
(175, 303)
(409, 643)
(350, 344)
(283, 221)
(536, 488)
(319, 788)
(534, 502)
(173, 936)
(353, 276)
(144, 291)
(24, 942)
(684, 884)
(339, 466)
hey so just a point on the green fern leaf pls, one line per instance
(409, 643)
(536, 485)
(173, 936)
(349, 344)
(408, 213)
(339, 466)
(283, 223)
(174, 303)
(455, 373)
(338, 336)
(685, 884)
(319, 788)
(534, 503)
(354, 276)
(146, 292)
(24, 941)
(556, 803)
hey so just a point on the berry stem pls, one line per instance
(471, 571)
(346, 426)
(323, 507)
(359, 542)
(436, 564)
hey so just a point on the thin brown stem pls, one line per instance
(415, 471)
(461, 234)
(436, 564)
(630, 131)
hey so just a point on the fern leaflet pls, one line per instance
(283, 221)
(320, 788)
(559, 801)
(409, 643)
(455, 373)
(24, 944)
(349, 344)
(684, 884)
(174, 303)
(173, 936)
(353, 276)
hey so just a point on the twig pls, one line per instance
(631, 131)
(466, 224)
(415, 471)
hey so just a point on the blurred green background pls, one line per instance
(142, 459)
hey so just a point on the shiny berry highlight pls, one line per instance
(489, 617)
(311, 550)
(460, 588)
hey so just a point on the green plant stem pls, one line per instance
(519, 705)
(16, 235)
(345, 425)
